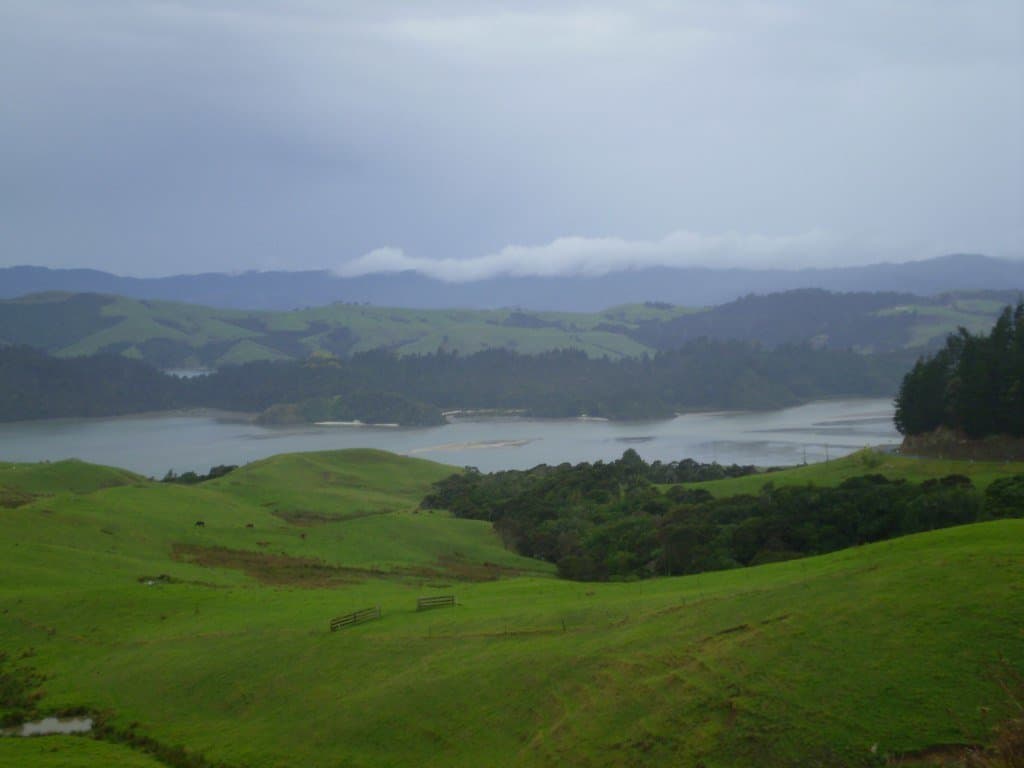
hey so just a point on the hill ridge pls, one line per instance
(175, 334)
(696, 286)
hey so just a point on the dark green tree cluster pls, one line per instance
(36, 386)
(608, 521)
(974, 385)
(367, 407)
(836, 320)
(567, 383)
(192, 478)
(1005, 497)
(380, 386)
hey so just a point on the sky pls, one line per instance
(476, 139)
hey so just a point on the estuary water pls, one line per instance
(152, 445)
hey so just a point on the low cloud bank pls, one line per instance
(595, 256)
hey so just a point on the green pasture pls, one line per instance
(934, 323)
(68, 476)
(138, 321)
(247, 336)
(215, 638)
(71, 752)
(420, 331)
(865, 462)
(83, 324)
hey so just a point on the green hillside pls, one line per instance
(69, 475)
(176, 335)
(932, 323)
(214, 638)
(171, 335)
(72, 752)
(866, 461)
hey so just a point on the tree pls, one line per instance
(975, 384)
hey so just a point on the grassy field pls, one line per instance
(215, 638)
(865, 462)
(235, 336)
(72, 752)
(933, 323)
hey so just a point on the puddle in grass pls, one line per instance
(50, 725)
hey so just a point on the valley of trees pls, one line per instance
(414, 389)
(609, 520)
(973, 385)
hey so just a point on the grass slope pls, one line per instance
(933, 323)
(71, 752)
(235, 336)
(68, 476)
(864, 462)
(799, 663)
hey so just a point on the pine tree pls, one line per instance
(975, 384)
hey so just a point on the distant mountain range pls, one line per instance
(690, 286)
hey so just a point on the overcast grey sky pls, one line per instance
(467, 139)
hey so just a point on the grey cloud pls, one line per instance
(157, 137)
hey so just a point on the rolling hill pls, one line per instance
(867, 461)
(209, 644)
(174, 335)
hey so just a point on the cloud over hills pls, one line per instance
(596, 256)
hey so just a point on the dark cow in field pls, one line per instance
(200, 524)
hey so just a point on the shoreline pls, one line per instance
(480, 415)
(196, 439)
(218, 414)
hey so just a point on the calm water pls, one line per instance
(152, 445)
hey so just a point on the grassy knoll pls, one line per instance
(68, 476)
(865, 462)
(799, 663)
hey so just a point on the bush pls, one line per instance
(1005, 497)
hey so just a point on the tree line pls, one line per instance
(609, 521)
(974, 384)
(414, 389)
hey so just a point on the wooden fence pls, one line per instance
(440, 601)
(351, 619)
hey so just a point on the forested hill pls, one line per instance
(170, 335)
(610, 520)
(36, 386)
(868, 322)
(414, 389)
(973, 385)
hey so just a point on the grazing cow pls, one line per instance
(248, 525)
(200, 524)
